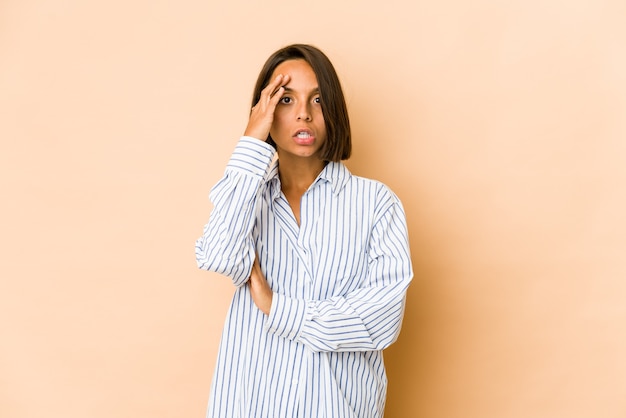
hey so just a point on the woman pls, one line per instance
(320, 257)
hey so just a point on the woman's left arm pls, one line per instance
(368, 318)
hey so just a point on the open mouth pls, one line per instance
(304, 137)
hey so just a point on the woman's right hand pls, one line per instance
(262, 114)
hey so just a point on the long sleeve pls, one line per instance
(226, 245)
(367, 318)
(339, 278)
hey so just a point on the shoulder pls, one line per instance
(357, 187)
(377, 186)
(373, 192)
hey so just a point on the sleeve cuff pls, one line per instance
(252, 155)
(286, 318)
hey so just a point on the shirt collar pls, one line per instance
(335, 173)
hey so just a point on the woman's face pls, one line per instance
(298, 128)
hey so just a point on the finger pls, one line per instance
(270, 103)
(272, 87)
(283, 82)
(275, 98)
(269, 92)
(280, 90)
(280, 81)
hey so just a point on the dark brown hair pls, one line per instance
(338, 144)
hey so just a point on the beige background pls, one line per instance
(501, 125)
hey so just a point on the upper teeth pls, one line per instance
(303, 135)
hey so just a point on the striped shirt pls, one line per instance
(339, 281)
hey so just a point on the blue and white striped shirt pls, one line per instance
(339, 281)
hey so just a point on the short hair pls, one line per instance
(338, 144)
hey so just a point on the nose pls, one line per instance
(304, 113)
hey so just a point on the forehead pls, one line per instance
(301, 73)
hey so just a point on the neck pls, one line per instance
(298, 175)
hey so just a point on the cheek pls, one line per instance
(319, 120)
(279, 119)
(318, 114)
(283, 113)
(280, 127)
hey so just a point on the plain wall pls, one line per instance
(501, 126)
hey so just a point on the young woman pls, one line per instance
(320, 257)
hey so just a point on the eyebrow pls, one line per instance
(290, 90)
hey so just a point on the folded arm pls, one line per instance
(368, 318)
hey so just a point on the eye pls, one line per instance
(317, 100)
(285, 100)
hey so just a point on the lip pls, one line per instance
(304, 141)
(299, 131)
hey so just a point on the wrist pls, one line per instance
(256, 134)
